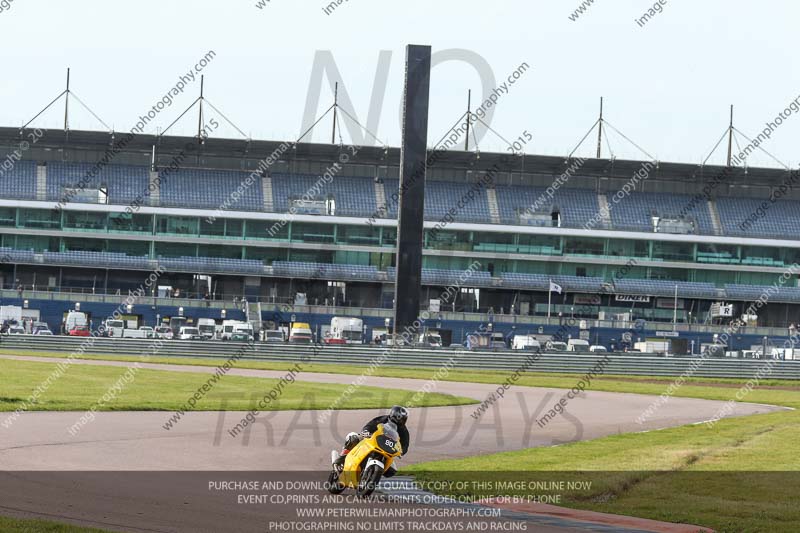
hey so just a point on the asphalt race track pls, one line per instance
(295, 440)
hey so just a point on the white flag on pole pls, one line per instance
(555, 288)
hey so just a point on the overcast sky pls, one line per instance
(668, 85)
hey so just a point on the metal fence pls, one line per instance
(624, 364)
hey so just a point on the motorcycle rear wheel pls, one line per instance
(369, 481)
(334, 487)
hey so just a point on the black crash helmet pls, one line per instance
(398, 415)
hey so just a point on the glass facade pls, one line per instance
(361, 244)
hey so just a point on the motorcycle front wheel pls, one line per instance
(369, 481)
(334, 487)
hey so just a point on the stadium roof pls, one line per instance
(90, 146)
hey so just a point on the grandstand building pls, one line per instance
(310, 229)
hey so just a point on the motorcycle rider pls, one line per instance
(398, 415)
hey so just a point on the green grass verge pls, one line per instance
(609, 382)
(160, 390)
(41, 526)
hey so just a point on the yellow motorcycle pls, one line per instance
(366, 463)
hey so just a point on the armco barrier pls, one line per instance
(641, 365)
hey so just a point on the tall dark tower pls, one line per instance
(413, 155)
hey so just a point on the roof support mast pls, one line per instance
(730, 139)
(335, 105)
(200, 115)
(469, 106)
(66, 104)
(600, 131)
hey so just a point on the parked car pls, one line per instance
(274, 336)
(241, 336)
(79, 331)
(597, 349)
(16, 330)
(148, 331)
(163, 332)
(42, 331)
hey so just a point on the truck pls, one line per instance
(345, 330)
(176, 323)
(577, 345)
(207, 327)
(430, 339)
(11, 313)
(300, 333)
(229, 327)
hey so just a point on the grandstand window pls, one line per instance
(212, 229)
(584, 246)
(37, 243)
(673, 251)
(621, 248)
(85, 220)
(348, 257)
(761, 255)
(717, 253)
(83, 245)
(302, 232)
(175, 249)
(447, 240)
(388, 237)
(363, 235)
(311, 256)
(39, 218)
(8, 216)
(127, 223)
(268, 255)
(267, 229)
(132, 248)
(216, 250)
(234, 227)
(171, 225)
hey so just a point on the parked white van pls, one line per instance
(526, 342)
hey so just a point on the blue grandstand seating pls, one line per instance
(742, 217)
(753, 292)
(212, 264)
(21, 256)
(124, 182)
(635, 211)
(19, 182)
(352, 196)
(441, 197)
(514, 280)
(99, 259)
(576, 206)
(295, 269)
(444, 278)
(210, 189)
